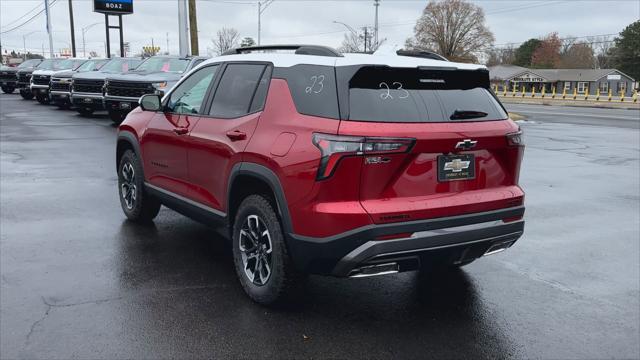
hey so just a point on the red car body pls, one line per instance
(331, 208)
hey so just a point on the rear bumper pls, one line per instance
(455, 239)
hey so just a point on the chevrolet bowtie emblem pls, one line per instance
(466, 144)
(456, 165)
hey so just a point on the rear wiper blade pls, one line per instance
(467, 114)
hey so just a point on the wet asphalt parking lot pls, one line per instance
(79, 281)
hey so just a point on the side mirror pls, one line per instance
(150, 102)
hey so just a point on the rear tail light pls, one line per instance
(515, 139)
(333, 148)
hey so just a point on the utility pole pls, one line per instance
(366, 36)
(376, 3)
(46, 10)
(167, 44)
(183, 34)
(73, 33)
(193, 27)
(261, 9)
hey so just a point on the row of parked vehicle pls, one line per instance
(89, 85)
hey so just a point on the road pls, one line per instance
(579, 115)
(78, 281)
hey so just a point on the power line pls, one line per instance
(566, 38)
(29, 20)
(23, 16)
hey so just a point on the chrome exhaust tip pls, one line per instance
(375, 270)
(498, 247)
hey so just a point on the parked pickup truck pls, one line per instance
(8, 79)
(41, 77)
(60, 86)
(23, 76)
(156, 75)
(87, 87)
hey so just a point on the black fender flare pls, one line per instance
(133, 141)
(265, 174)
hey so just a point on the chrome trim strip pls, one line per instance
(121, 98)
(188, 201)
(36, 86)
(57, 92)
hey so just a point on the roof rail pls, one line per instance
(422, 54)
(299, 50)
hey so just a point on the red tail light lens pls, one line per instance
(515, 139)
(333, 148)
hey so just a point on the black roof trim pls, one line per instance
(422, 54)
(299, 50)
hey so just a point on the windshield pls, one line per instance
(155, 64)
(121, 65)
(92, 65)
(48, 64)
(29, 63)
(69, 64)
(421, 95)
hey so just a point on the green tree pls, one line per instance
(248, 41)
(626, 53)
(525, 51)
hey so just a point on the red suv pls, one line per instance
(317, 162)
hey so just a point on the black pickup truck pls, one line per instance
(156, 75)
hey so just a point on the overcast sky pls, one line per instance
(288, 21)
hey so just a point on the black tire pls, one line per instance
(84, 111)
(8, 89)
(26, 94)
(117, 117)
(283, 280)
(43, 99)
(137, 204)
(63, 106)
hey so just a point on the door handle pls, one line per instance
(236, 135)
(181, 130)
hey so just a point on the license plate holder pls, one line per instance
(456, 167)
(125, 106)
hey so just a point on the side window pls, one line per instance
(313, 89)
(261, 92)
(236, 89)
(188, 96)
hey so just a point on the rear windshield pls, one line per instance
(384, 94)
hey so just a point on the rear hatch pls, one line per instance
(438, 142)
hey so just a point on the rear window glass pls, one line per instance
(384, 94)
(313, 89)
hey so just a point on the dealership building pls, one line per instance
(582, 80)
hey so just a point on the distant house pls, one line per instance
(582, 80)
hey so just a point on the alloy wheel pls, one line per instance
(256, 248)
(128, 187)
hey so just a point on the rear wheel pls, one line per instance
(85, 111)
(260, 255)
(43, 99)
(116, 116)
(136, 203)
(8, 89)
(26, 94)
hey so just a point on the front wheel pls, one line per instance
(260, 255)
(136, 203)
(26, 94)
(117, 117)
(8, 89)
(43, 99)
(84, 111)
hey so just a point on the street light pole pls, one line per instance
(84, 29)
(261, 9)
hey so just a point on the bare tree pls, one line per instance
(578, 56)
(355, 43)
(226, 39)
(454, 28)
(601, 46)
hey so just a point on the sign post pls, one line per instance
(113, 7)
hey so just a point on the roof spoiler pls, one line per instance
(299, 50)
(422, 54)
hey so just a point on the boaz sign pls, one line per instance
(113, 7)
